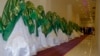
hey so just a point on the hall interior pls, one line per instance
(85, 13)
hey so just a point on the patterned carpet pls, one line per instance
(61, 49)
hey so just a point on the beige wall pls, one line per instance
(2, 3)
(59, 6)
(76, 18)
(97, 22)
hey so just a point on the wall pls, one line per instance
(76, 18)
(97, 23)
(2, 3)
(59, 6)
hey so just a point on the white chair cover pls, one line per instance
(62, 36)
(2, 46)
(74, 34)
(80, 33)
(51, 39)
(42, 39)
(20, 43)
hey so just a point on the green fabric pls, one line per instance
(54, 23)
(70, 29)
(50, 17)
(9, 28)
(64, 26)
(43, 21)
(32, 14)
(1, 27)
(58, 23)
(46, 27)
(28, 16)
(75, 27)
(11, 13)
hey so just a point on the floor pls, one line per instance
(62, 49)
(88, 47)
